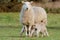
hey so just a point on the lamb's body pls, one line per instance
(40, 28)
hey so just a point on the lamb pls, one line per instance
(40, 28)
(31, 15)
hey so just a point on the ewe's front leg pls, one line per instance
(30, 31)
(23, 29)
(26, 30)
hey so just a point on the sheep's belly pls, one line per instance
(28, 20)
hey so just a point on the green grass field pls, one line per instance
(10, 27)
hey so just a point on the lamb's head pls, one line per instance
(27, 5)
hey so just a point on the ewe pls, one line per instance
(27, 16)
(31, 15)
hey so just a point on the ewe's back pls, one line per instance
(40, 14)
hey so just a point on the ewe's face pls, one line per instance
(26, 5)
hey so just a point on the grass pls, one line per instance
(10, 27)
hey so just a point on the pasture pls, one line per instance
(10, 27)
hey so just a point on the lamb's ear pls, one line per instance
(23, 2)
(31, 2)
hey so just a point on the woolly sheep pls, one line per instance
(27, 16)
(40, 28)
(30, 15)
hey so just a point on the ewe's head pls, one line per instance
(26, 5)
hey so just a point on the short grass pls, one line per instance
(10, 27)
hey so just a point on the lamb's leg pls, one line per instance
(47, 33)
(42, 35)
(32, 31)
(38, 31)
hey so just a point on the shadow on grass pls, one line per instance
(57, 28)
(14, 36)
(51, 27)
(9, 26)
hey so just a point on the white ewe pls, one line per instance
(27, 16)
(31, 15)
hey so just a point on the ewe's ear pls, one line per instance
(31, 2)
(22, 1)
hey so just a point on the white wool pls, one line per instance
(40, 14)
(41, 28)
(27, 16)
(34, 15)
